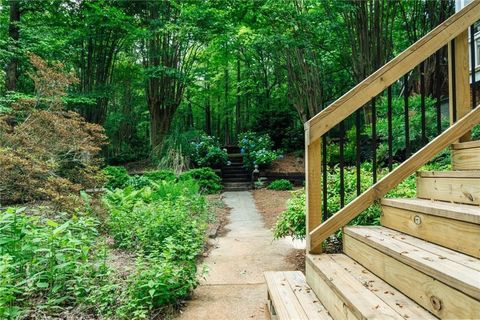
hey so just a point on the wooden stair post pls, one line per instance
(459, 80)
(313, 187)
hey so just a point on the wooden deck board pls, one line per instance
(460, 188)
(292, 298)
(348, 291)
(456, 275)
(454, 234)
(457, 211)
(440, 299)
(403, 305)
(463, 259)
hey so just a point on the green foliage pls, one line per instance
(155, 283)
(281, 184)
(50, 263)
(268, 121)
(160, 175)
(206, 178)
(398, 131)
(117, 177)
(170, 221)
(256, 149)
(206, 152)
(291, 222)
(398, 124)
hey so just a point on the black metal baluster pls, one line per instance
(390, 134)
(324, 177)
(358, 137)
(438, 91)
(422, 106)
(342, 165)
(454, 82)
(474, 64)
(406, 115)
(374, 141)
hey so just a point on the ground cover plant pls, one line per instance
(280, 184)
(52, 264)
(49, 264)
(170, 220)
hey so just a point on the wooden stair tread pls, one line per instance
(463, 259)
(462, 212)
(466, 145)
(474, 174)
(292, 298)
(420, 256)
(365, 295)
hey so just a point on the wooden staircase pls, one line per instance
(423, 261)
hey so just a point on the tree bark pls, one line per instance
(14, 34)
(238, 104)
(208, 112)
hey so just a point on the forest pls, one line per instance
(113, 110)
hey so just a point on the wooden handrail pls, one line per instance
(391, 180)
(392, 71)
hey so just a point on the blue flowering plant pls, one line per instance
(206, 152)
(256, 149)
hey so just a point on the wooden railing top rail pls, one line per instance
(392, 71)
(391, 180)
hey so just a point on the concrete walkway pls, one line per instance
(234, 287)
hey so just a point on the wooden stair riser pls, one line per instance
(352, 292)
(454, 234)
(437, 297)
(328, 297)
(452, 189)
(466, 156)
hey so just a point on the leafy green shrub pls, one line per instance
(281, 184)
(170, 221)
(206, 178)
(138, 182)
(256, 149)
(160, 175)
(117, 177)
(155, 220)
(155, 283)
(53, 263)
(292, 221)
(206, 152)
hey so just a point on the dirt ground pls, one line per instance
(289, 163)
(270, 204)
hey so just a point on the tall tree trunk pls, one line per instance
(238, 111)
(225, 109)
(208, 112)
(160, 122)
(14, 34)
